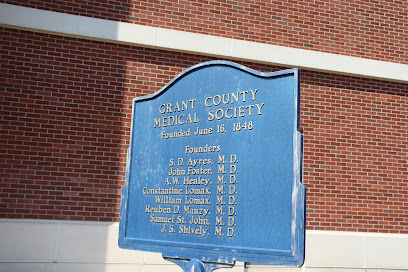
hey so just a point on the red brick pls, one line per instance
(64, 144)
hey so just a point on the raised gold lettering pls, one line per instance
(218, 231)
(218, 221)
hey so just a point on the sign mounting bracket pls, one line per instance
(194, 265)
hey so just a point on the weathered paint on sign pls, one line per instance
(214, 168)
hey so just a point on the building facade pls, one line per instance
(70, 69)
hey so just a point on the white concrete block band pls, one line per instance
(18, 17)
(54, 245)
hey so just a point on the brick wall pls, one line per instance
(65, 121)
(65, 107)
(356, 153)
(369, 29)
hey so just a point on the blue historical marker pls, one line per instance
(214, 169)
